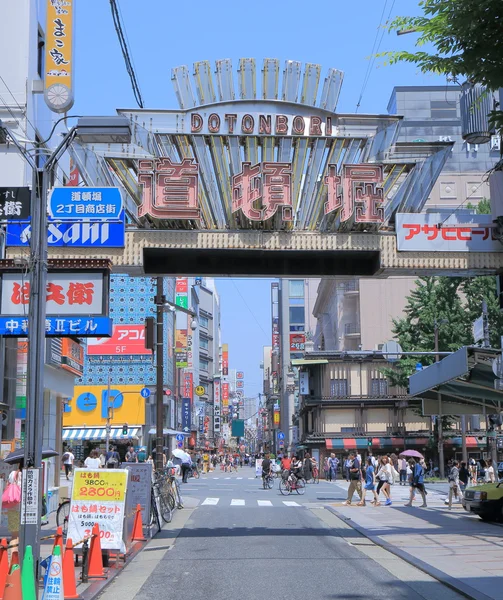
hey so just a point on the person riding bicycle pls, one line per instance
(296, 471)
(266, 466)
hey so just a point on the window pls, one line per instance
(379, 387)
(440, 109)
(203, 364)
(203, 343)
(296, 288)
(296, 314)
(339, 388)
(203, 321)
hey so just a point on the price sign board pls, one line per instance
(29, 497)
(99, 497)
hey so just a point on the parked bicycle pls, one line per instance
(63, 514)
(292, 484)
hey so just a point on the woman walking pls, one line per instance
(417, 482)
(308, 467)
(326, 469)
(385, 475)
(370, 483)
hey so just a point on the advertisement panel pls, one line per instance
(181, 348)
(90, 403)
(216, 405)
(99, 497)
(225, 398)
(138, 492)
(186, 415)
(98, 204)
(126, 339)
(441, 232)
(66, 354)
(72, 293)
(58, 76)
(15, 203)
(225, 359)
(188, 386)
(297, 342)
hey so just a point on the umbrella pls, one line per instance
(412, 453)
(18, 455)
(180, 454)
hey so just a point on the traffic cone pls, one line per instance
(28, 576)
(54, 584)
(13, 589)
(70, 584)
(4, 565)
(14, 559)
(58, 540)
(95, 556)
(138, 527)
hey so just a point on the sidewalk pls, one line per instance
(451, 545)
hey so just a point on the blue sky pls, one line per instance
(163, 35)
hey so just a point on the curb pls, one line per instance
(450, 582)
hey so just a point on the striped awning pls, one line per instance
(362, 443)
(98, 433)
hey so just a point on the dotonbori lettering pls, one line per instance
(261, 124)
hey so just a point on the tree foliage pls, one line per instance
(467, 39)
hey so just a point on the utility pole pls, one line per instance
(159, 300)
(440, 427)
(107, 430)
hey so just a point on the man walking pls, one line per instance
(355, 480)
(333, 465)
(131, 455)
(402, 463)
(68, 459)
(186, 466)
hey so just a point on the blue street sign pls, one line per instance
(179, 437)
(80, 326)
(180, 445)
(186, 414)
(281, 435)
(77, 234)
(145, 393)
(73, 203)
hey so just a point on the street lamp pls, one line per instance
(88, 129)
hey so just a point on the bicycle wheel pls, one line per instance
(63, 515)
(166, 510)
(195, 474)
(284, 487)
(300, 486)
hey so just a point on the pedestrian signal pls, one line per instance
(125, 429)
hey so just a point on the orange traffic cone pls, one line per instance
(95, 556)
(13, 589)
(69, 582)
(138, 527)
(4, 565)
(14, 559)
(58, 540)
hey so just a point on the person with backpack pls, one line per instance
(112, 459)
(355, 480)
(68, 458)
(417, 482)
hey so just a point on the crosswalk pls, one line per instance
(249, 503)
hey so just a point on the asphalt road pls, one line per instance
(245, 543)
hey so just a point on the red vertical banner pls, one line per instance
(73, 180)
(225, 359)
(188, 385)
(225, 398)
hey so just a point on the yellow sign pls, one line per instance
(200, 390)
(58, 79)
(91, 404)
(99, 484)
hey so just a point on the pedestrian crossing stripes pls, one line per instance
(250, 503)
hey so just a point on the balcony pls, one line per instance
(352, 330)
(351, 288)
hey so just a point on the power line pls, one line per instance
(249, 309)
(125, 52)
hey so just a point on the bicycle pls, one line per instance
(316, 475)
(268, 481)
(63, 514)
(287, 486)
(162, 499)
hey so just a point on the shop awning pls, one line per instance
(363, 443)
(298, 362)
(98, 433)
(153, 431)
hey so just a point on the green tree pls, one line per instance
(466, 37)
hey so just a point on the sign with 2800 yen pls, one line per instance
(99, 497)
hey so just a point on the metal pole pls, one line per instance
(464, 451)
(175, 375)
(440, 427)
(485, 321)
(107, 432)
(159, 301)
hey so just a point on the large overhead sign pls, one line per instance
(71, 203)
(14, 203)
(446, 232)
(126, 339)
(58, 81)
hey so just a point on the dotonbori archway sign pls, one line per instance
(263, 163)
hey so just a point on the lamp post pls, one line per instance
(92, 130)
(440, 429)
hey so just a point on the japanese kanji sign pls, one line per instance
(79, 326)
(14, 203)
(445, 232)
(126, 339)
(186, 415)
(99, 497)
(58, 81)
(297, 342)
(71, 203)
(75, 293)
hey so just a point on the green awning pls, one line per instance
(298, 362)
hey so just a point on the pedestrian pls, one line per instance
(333, 465)
(186, 466)
(472, 468)
(142, 455)
(326, 468)
(112, 458)
(370, 481)
(402, 464)
(453, 479)
(131, 455)
(374, 460)
(347, 461)
(464, 477)
(92, 461)
(308, 467)
(68, 459)
(355, 483)
(11, 500)
(417, 482)
(489, 475)
(102, 460)
(384, 475)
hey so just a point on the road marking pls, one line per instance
(226, 477)
(287, 503)
(210, 502)
(216, 477)
(264, 502)
(235, 502)
(251, 477)
(239, 478)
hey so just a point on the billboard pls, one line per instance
(225, 359)
(225, 398)
(66, 354)
(90, 403)
(188, 386)
(181, 348)
(186, 415)
(216, 405)
(126, 339)
(297, 342)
